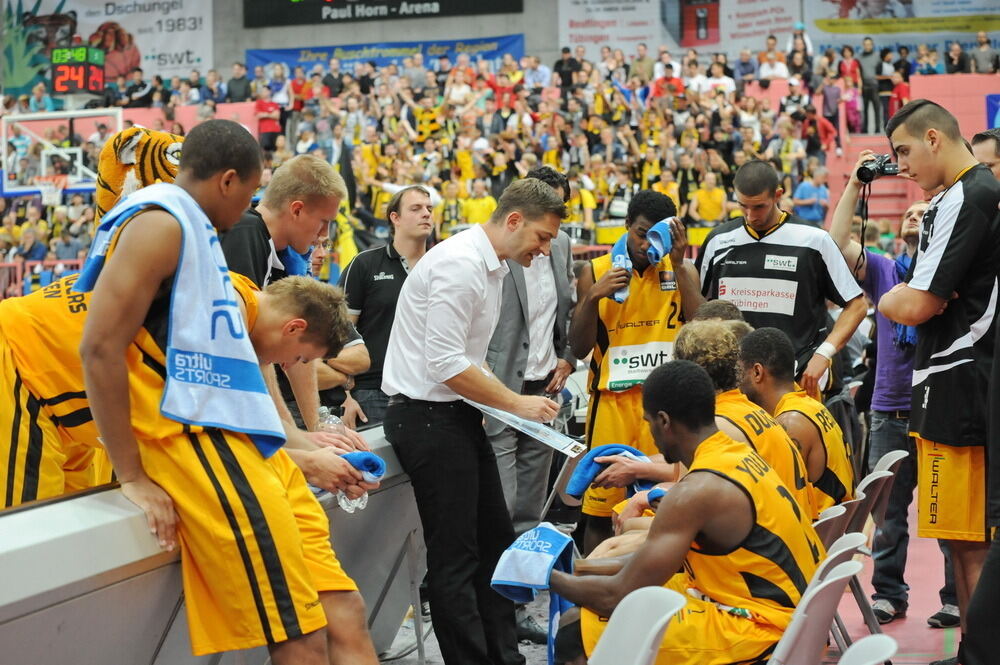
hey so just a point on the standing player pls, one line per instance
(640, 330)
(780, 271)
(246, 580)
(951, 297)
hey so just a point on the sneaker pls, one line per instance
(946, 617)
(885, 611)
(528, 629)
(946, 661)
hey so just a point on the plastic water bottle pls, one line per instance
(329, 422)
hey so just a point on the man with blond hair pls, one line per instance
(267, 244)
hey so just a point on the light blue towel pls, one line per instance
(660, 241)
(587, 469)
(213, 377)
(371, 466)
(526, 567)
(620, 259)
(654, 494)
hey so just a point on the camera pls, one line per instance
(877, 167)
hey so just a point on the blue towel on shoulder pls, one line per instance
(587, 469)
(660, 241)
(620, 259)
(526, 567)
(904, 337)
(371, 466)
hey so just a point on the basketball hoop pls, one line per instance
(52, 187)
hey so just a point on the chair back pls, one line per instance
(873, 485)
(805, 638)
(636, 627)
(831, 524)
(890, 462)
(871, 650)
(842, 550)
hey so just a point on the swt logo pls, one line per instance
(642, 360)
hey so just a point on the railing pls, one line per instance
(23, 277)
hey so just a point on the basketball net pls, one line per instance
(52, 187)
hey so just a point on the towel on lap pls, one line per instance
(587, 469)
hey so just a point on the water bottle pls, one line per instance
(329, 422)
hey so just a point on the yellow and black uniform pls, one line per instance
(478, 210)
(379, 201)
(711, 203)
(772, 442)
(648, 173)
(633, 338)
(428, 123)
(449, 211)
(584, 200)
(670, 189)
(739, 602)
(836, 485)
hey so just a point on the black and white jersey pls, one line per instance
(781, 279)
(959, 252)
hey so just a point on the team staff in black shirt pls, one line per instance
(372, 283)
(951, 295)
(780, 271)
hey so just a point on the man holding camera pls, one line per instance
(951, 297)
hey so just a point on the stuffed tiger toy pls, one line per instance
(132, 159)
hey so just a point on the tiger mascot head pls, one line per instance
(132, 159)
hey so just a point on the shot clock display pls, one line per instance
(77, 69)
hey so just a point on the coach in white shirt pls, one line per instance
(447, 310)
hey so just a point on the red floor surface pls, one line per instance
(919, 644)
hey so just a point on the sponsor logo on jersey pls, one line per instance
(383, 275)
(629, 365)
(767, 296)
(668, 280)
(776, 262)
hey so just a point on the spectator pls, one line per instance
(238, 87)
(772, 68)
(957, 61)
(30, 247)
(40, 100)
(480, 205)
(771, 48)
(812, 198)
(799, 33)
(900, 94)
(884, 74)
(870, 62)
(537, 75)
(708, 205)
(745, 69)
(66, 247)
(642, 64)
(932, 65)
(796, 100)
(985, 59)
(185, 95)
(566, 66)
(903, 64)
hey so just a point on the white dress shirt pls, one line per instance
(540, 285)
(447, 310)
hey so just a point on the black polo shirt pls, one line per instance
(250, 252)
(372, 283)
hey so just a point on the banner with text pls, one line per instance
(596, 23)
(268, 13)
(487, 48)
(711, 26)
(165, 37)
(893, 24)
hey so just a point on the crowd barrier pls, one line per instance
(85, 581)
(23, 277)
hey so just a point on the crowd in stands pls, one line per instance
(615, 123)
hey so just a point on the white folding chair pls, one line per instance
(871, 650)
(890, 462)
(831, 524)
(805, 637)
(839, 552)
(636, 627)
(867, 495)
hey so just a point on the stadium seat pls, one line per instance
(636, 627)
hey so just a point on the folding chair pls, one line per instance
(890, 462)
(839, 552)
(871, 650)
(831, 524)
(636, 627)
(805, 637)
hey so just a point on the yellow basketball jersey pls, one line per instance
(770, 440)
(836, 485)
(765, 576)
(44, 331)
(637, 335)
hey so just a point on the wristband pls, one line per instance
(826, 350)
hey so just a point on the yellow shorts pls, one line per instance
(700, 634)
(38, 457)
(247, 582)
(615, 418)
(951, 491)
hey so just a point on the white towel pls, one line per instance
(213, 378)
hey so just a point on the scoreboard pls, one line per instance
(77, 69)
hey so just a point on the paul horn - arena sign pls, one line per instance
(268, 13)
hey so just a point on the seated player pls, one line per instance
(713, 346)
(718, 523)
(768, 380)
(242, 514)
